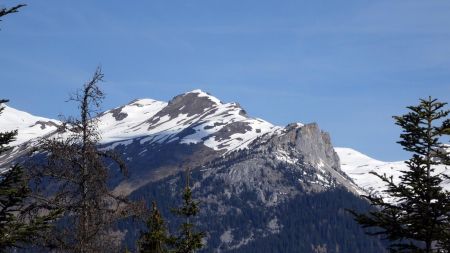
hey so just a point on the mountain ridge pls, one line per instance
(250, 175)
(191, 118)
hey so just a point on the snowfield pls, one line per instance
(28, 126)
(358, 166)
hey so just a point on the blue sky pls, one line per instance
(348, 65)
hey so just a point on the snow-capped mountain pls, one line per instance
(197, 117)
(190, 118)
(259, 182)
(199, 127)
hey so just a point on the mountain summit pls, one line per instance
(190, 118)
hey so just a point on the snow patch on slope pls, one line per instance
(358, 166)
(190, 118)
(201, 93)
(132, 126)
(29, 126)
(219, 126)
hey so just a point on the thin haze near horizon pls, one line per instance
(347, 65)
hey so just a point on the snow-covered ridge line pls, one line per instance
(28, 126)
(190, 118)
(358, 166)
(195, 118)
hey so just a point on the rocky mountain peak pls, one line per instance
(306, 147)
(309, 140)
(316, 146)
(192, 103)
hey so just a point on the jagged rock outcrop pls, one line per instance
(247, 194)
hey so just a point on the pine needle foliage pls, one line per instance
(188, 239)
(20, 222)
(155, 239)
(418, 220)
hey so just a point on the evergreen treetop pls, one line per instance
(20, 221)
(418, 221)
(188, 239)
(155, 239)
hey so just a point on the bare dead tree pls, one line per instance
(74, 177)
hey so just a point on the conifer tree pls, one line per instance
(188, 239)
(418, 220)
(19, 224)
(155, 239)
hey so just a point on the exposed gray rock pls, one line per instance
(230, 129)
(189, 104)
(45, 124)
(275, 169)
(118, 114)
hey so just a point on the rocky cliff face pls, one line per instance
(303, 147)
(250, 195)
